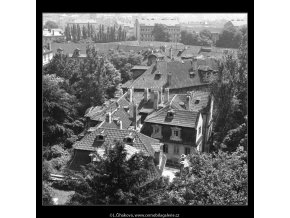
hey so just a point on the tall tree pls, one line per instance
(160, 34)
(50, 25)
(78, 32)
(84, 31)
(113, 179)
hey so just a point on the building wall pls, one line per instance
(47, 57)
(188, 136)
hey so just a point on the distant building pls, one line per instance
(144, 28)
(50, 35)
(47, 54)
(235, 23)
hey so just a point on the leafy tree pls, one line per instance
(78, 32)
(160, 34)
(124, 61)
(67, 33)
(57, 110)
(50, 25)
(46, 194)
(230, 94)
(113, 179)
(230, 38)
(211, 179)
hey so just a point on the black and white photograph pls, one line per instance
(145, 109)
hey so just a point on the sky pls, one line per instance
(183, 17)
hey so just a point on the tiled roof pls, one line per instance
(202, 97)
(141, 142)
(182, 118)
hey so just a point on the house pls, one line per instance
(199, 101)
(96, 142)
(179, 76)
(47, 54)
(144, 27)
(179, 130)
(51, 35)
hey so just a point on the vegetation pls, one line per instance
(76, 33)
(113, 179)
(204, 38)
(212, 179)
(230, 94)
(50, 25)
(160, 34)
(230, 37)
(124, 61)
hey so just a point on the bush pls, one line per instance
(65, 185)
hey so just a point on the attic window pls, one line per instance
(197, 101)
(129, 138)
(101, 136)
(170, 114)
(191, 74)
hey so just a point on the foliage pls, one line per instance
(204, 38)
(230, 94)
(159, 33)
(46, 194)
(230, 38)
(212, 179)
(57, 110)
(113, 179)
(50, 25)
(124, 61)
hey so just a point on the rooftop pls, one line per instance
(182, 118)
(140, 142)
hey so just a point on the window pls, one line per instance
(199, 130)
(175, 135)
(156, 133)
(165, 148)
(176, 149)
(187, 151)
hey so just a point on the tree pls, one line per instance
(230, 94)
(124, 61)
(211, 179)
(160, 34)
(58, 110)
(78, 32)
(50, 25)
(67, 33)
(230, 38)
(113, 179)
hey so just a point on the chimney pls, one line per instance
(156, 100)
(53, 32)
(59, 50)
(131, 94)
(187, 103)
(170, 50)
(169, 76)
(151, 94)
(166, 95)
(108, 117)
(49, 46)
(146, 94)
(135, 115)
(120, 124)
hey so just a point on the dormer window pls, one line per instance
(157, 131)
(176, 134)
(191, 74)
(129, 138)
(170, 114)
(197, 101)
(101, 136)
